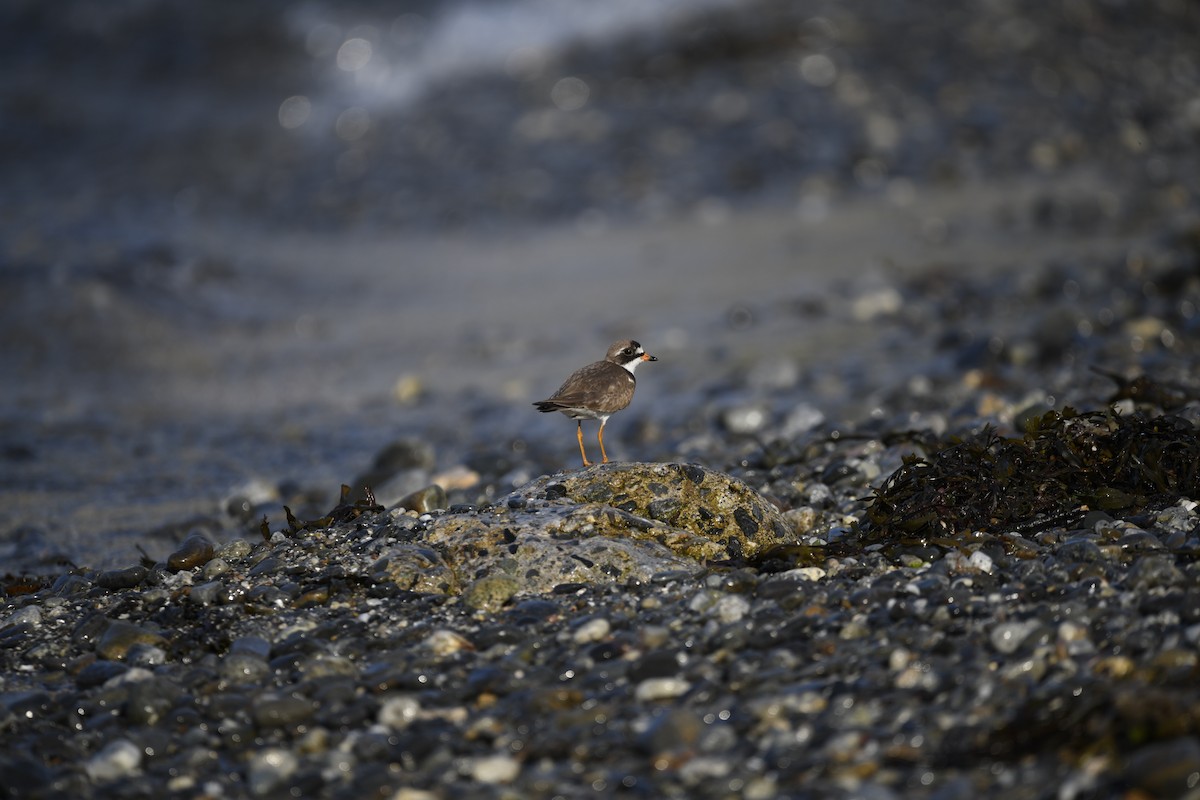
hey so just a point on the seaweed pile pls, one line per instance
(1067, 464)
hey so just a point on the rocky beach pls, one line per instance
(906, 508)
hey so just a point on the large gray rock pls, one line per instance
(609, 523)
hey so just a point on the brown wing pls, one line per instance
(602, 386)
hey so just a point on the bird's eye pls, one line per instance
(629, 351)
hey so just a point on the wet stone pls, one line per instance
(1009, 637)
(234, 549)
(320, 666)
(251, 645)
(1154, 571)
(126, 578)
(270, 769)
(675, 730)
(656, 664)
(120, 636)
(495, 769)
(206, 594)
(267, 566)
(1080, 551)
(593, 630)
(98, 673)
(69, 585)
(242, 668)
(196, 550)
(423, 501)
(149, 701)
(280, 711)
(115, 761)
(745, 420)
(1166, 768)
(215, 569)
(658, 689)
(399, 711)
(26, 616)
(146, 655)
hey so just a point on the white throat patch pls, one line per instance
(632, 365)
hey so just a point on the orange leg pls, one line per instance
(579, 430)
(600, 437)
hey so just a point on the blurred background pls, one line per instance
(245, 247)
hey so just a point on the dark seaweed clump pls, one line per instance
(1066, 464)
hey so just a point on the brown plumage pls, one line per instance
(599, 390)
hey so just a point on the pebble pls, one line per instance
(280, 710)
(399, 711)
(196, 550)
(270, 768)
(730, 609)
(1153, 572)
(805, 574)
(423, 501)
(117, 760)
(655, 689)
(215, 569)
(119, 637)
(744, 420)
(595, 629)
(802, 519)
(676, 730)
(122, 578)
(234, 549)
(26, 615)
(446, 642)
(1008, 637)
(495, 769)
(1169, 768)
(206, 594)
(238, 668)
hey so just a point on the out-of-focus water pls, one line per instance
(251, 246)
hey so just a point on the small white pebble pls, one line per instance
(408, 793)
(594, 630)
(495, 769)
(1071, 632)
(806, 573)
(704, 768)
(653, 689)
(731, 608)
(981, 561)
(399, 711)
(856, 628)
(444, 642)
(115, 760)
(702, 601)
(271, 767)
(900, 658)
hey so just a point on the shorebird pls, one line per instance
(599, 390)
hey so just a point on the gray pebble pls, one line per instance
(117, 760)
